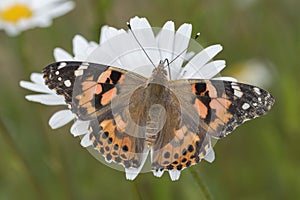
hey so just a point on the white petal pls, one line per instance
(105, 55)
(80, 44)
(189, 55)
(139, 23)
(46, 99)
(92, 46)
(210, 156)
(165, 40)
(144, 34)
(53, 11)
(207, 71)
(60, 118)
(182, 38)
(37, 78)
(85, 141)
(174, 174)
(158, 173)
(108, 33)
(198, 61)
(62, 55)
(35, 87)
(80, 128)
(131, 173)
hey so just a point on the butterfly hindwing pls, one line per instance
(182, 142)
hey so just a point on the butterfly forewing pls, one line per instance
(224, 105)
(89, 91)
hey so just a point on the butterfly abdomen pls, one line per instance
(155, 121)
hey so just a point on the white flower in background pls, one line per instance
(19, 15)
(118, 48)
(254, 71)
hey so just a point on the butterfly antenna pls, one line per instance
(196, 36)
(168, 65)
(129, 27)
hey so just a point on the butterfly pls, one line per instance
(130, 115)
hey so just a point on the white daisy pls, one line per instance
(119, 48)
(19, 15)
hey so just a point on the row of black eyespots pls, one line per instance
(176, 164)
(199, 146)
(116, 152)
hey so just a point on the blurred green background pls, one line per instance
(260, 160)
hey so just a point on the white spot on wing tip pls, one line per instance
(78, 72)
(259, 99)
(257, 90)
(67, 83)
(245, 106)
(61, 65)
(238, 93)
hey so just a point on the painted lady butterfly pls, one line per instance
(131, 115)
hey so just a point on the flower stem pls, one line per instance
(135, 190)
(5, 134)
(206, 194)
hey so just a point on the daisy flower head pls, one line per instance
(139, 49)
(19, 15)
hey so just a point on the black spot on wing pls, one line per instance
(115, 76)
(200, 88)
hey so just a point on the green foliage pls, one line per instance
(260, 160)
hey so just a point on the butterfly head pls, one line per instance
(159, 74)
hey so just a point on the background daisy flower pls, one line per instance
(19, 15)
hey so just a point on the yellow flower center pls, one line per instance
(15, 13)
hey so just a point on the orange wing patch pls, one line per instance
(96, 92)
(201, 108)
(115, 145)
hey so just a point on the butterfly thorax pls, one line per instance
(152, 100)
(159, 75)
